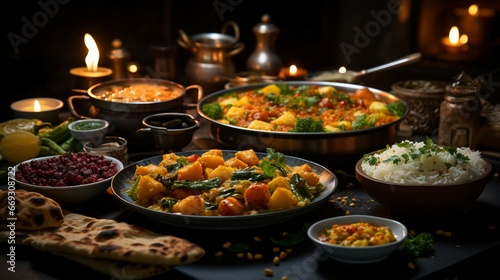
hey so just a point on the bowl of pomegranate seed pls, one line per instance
(70, 178)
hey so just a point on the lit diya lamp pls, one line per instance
(92, 74)
(455, 43)
(293, 73)
(42, 108)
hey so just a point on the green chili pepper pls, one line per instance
(52, 145)
(58, 133)
(69, 144)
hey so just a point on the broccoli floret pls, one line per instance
(308, 125)
(212, 110)
(397, 108)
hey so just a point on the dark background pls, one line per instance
(310, 34)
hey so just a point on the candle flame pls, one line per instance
(132, 68)
(454, 35)
(342, 69)
(463, 39)
(36, 106)
(473, 10)
(293, 69)
(92, 58)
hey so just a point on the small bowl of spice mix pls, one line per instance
(92, 130)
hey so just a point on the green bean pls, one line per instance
(198, 185)
(299, 187)
(52, 145)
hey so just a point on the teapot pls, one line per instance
(210, 64)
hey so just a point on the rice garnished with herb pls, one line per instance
(424, 163)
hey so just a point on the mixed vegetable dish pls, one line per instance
(304, 108)
(211, 185)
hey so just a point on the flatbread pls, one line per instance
(93, 238)
(118, 269)
(31, 211)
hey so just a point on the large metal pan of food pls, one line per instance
(316, 120)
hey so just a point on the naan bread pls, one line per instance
(93, 238)
(32, 211)
(119, 269)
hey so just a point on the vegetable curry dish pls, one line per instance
(305, 108)
(208, 184)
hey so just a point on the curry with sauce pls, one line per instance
(359, 234)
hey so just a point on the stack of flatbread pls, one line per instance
(120, 250)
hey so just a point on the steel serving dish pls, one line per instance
(126, 117)
(330, 146)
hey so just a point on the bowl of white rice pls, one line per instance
(423, 178)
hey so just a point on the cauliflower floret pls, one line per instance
(378, 106)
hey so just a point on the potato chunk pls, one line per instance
(236, 113)
(214, 152)
(191, 205)
(168, 159)
(236, 163)
(247, 156)
(148, 188)
(260, 125)
(279, 182)
(210, 161)
(150, 169)
(222, 172)
(287, 118)
(191, 172)
(305, 171)
(282, 198)
(274, 89)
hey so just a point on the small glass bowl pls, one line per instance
(112, 146)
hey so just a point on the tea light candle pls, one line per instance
(477, 22)
(42, 108)
(92, 74)
(455, 42)
(293, 73)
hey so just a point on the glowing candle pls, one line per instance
(43, 108)
(293, 73)
(455, 42)
(476, 21)
(91, 74)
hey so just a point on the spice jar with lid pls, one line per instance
(460, 113)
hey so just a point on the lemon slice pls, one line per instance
(19, 124)
(19, 146)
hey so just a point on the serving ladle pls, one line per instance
(353, 76)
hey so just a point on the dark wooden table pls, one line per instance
(471, 251)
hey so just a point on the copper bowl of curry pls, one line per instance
(259, 120)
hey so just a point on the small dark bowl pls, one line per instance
(171, 131)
